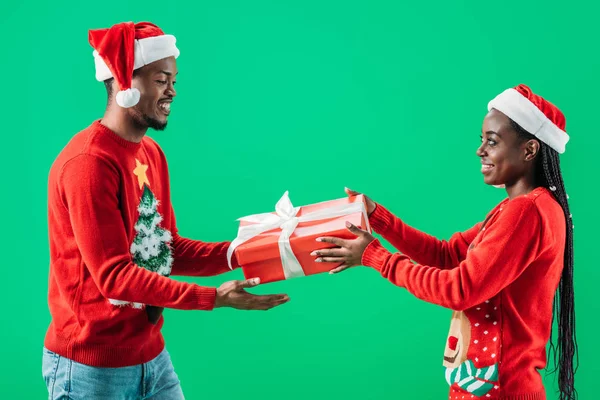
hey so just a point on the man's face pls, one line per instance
(156, 83)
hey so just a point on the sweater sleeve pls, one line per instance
(419, 246)
(89, 191)
(197, 258)
(508, 246)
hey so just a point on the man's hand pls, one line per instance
(232, 294)
(371, 205)
(348, 253)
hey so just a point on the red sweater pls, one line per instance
(499, 277)
(96, 185)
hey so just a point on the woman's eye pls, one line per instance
(162, 82)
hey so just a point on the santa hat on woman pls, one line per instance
(534, 114)
(125, 47)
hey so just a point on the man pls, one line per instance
(114, 240)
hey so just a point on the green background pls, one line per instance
(307, 96)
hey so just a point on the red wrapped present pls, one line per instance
(276, 246)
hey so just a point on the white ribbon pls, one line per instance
(285, 219)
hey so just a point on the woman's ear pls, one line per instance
(532, 148)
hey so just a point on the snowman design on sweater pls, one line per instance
(151, 246)
(472, 352)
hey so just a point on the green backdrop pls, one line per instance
(307, 96)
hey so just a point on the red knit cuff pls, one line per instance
(380, 219)
(375, 255)
(205, 298)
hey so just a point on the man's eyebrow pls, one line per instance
(166, 72)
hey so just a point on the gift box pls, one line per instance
(275, 246)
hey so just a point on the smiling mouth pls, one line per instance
(485, 168)
(165, 107)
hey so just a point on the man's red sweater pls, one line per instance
(94, 193)
(499, 277)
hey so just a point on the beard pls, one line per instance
(144, 121)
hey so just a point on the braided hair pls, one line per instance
(565, 354)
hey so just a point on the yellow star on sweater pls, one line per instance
(140, 172)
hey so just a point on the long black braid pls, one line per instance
(565, 354)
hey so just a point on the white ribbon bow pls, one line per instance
(285, 219)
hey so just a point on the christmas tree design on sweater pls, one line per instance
(472, 353)
(151, 246)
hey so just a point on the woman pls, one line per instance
(500, 276)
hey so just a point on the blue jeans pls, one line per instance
(67, 379)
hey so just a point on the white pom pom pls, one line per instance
(128, 98)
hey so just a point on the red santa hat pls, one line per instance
(125, 47)
(534, 114)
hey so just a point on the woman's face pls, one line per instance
(505, 157)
